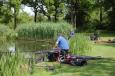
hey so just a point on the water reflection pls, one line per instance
(11, 49)
(24, 46)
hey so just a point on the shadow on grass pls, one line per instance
(110, 44)
(108, 34)
(102, 67)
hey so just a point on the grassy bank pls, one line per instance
(103, 67)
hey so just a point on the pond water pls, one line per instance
(24, 46)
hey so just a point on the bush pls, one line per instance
(3, 30)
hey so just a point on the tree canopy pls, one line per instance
(83, 14)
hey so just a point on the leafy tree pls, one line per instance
(109, 6)
(49, 8)
(5, 12)
(15, 4)
(34, 4)
(24, 17)
(78, 11)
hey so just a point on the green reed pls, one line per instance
(43, 30)
(80, 44)
(13, 64)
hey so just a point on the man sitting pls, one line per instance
(62, 44)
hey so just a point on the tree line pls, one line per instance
(82, 14)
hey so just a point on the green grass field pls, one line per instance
(104, 50)
(102, 67)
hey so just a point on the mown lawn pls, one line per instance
(102, 67)
(104, 50)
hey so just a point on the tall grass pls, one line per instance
(80, 44)
(47, 30)
(13, 65)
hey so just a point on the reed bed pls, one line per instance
(80, 44)
(13, 64)
(43, 30)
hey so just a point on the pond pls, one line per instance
(24, 46)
